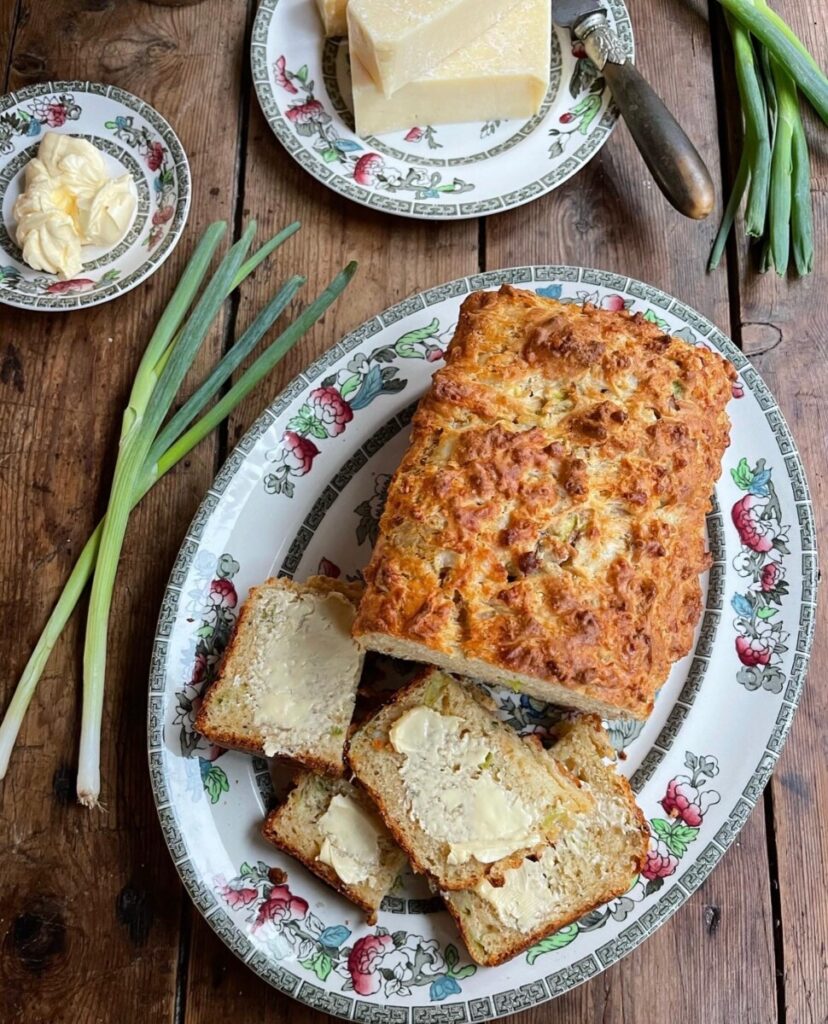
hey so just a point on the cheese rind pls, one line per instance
(333, 15)
(398, 41)
(502, 74)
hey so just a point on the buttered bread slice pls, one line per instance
(288, 681)
(589, 864)
(461, 792)
(334, 830)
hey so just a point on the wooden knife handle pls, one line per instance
(673, 160)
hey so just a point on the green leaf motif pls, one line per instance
(404, 345)
(321, 965)
(654, 318)
(766, 613)
(215, 783)
(660, 828)
(302, 73)
(557, 940)
(452, 957)
(679, 838)
(329, 155)
(742, 475)
(245, 870)
(464, 972)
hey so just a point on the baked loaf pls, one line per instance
(460, 791)
(287, 684)
(355, 837)
(593, 862)
(545, 528)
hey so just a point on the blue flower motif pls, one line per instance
(760, 484)
(741, 606)
(121, 121)
(158, 185)
(443, 987)
(33, 128)
(334, 936)
(551, 291)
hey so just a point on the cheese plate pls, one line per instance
(445, 172)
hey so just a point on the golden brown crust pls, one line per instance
(251, 741)
(547, 519)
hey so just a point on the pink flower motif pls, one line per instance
(613, 302)
(280, 905)
(56, 115)
(367, 168)
(755, 533)
(686, 802)
(414, 134)
(299, 453)
(329, 568)
(155, 236)
(772, 574)
(363, 963)
(155, 156)
(199, 672)
(578, 49)
(162, 215)
(737, 389)
(223, 594)
(660, 862)
(753, 651)
(331, 409)
(305, 113)
(281, 77)
(237, 898)
(77, 284)
(566, 118)
(434, 355)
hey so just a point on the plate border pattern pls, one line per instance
(510, 1001)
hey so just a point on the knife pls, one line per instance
(673, 160)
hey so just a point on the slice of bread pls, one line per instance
(461, 793)
(588, 865)
(287, 684)
(295, 828)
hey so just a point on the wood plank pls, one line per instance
(90, 904)
(612, 216)
(396, 257)
(9, 16)
(784, 324)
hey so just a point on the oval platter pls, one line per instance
(134, 139)
(446, 172)
(301, 494)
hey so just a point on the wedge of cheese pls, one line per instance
(502, 74)
(398, 41)
(332, 13)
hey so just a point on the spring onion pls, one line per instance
(772, 66)
(147, 451)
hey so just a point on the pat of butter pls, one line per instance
(332, 13)
(453, 792)
(351, 840)
(398, 41)
(502, 74)
(524, 900)
(305, 671)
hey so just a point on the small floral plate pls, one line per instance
(302, 494)
(134, 139)
(445, 172)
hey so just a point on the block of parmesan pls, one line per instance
(504, 73)
(546, 527)
(398, 41)
(332, 13)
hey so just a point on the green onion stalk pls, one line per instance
(148, 450)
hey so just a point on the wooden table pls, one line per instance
(94, 924)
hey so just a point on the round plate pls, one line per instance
(134, 139)
(447, 172)
(301, 494)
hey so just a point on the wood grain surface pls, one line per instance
(94, 925)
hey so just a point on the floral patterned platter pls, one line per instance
(444, 172)
(133, 139)
(301, 494)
